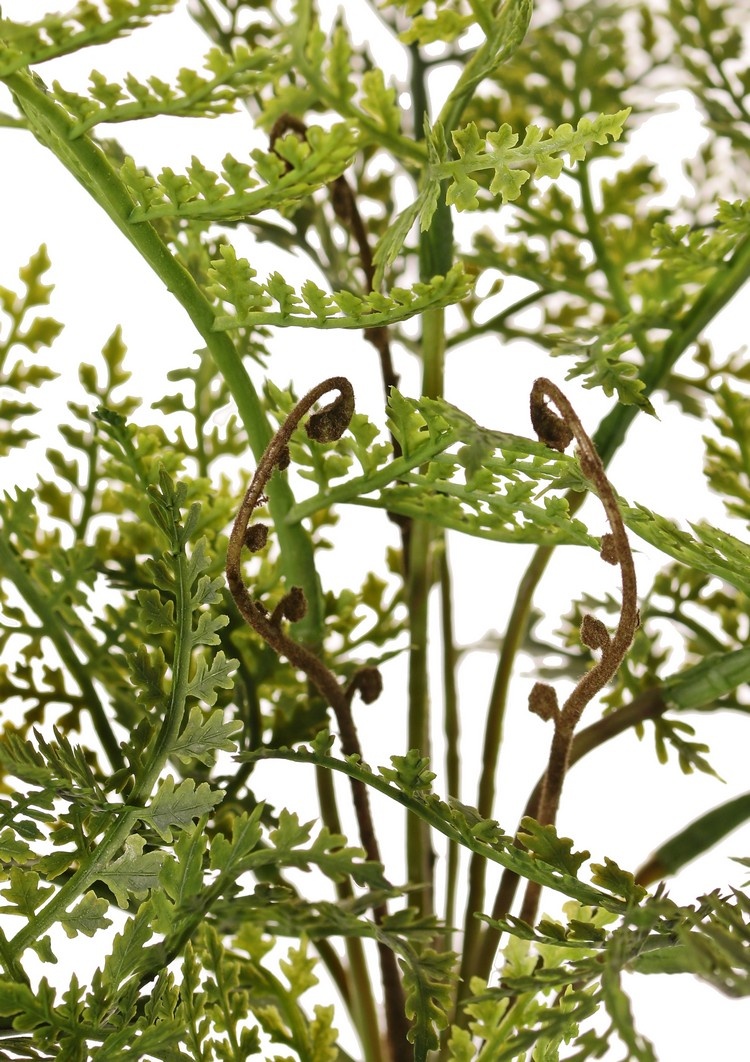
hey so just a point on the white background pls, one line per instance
(100, 281)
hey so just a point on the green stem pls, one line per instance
(55, 629)
(359, 998)
(493, 736)
(714, 297)
(107, 848)
(452, 735)
(418, 846)
(88, 163)
(423, 541)
(614, 276)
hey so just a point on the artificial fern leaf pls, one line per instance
(487, 487)
(512, 165)
(179, 805)
(428, 976)
(128, 950)
(208, 678)
(204, 735)
(29, 333)
(447, 25)
(87, 917)
(228, 80)
(708, 549)
(133, 873)
(621, 882)
(24, 892)
(544, 843)
(538, 155)
(233, 282)
(291, 172)
(726, 465)
(87, 24)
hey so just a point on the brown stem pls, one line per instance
(344, 203)
(647, 705)
(557, 430)
(326, 425)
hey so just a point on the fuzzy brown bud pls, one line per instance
(550, 428)
(593, 633)
(543, 701)
(368, 682)
(608, 550)
(256, 537)
(330, 422)
(294, 604)
(284, 459)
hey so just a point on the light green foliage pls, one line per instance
(20, 328)
(232, 281)
(292, 171)
(228, 80)
(510, 161)
(85, 24)
(142, 714)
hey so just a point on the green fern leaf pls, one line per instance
(86, 24)
(87, 917)
(24, 893)
(209, 678)
(205, 734)
(179, 805)
(513, 164)
(544, 843)
(29, 333)
(134, 873)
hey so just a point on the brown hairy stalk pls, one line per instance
(326, 425)
(557, 428)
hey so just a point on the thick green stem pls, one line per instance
(88, 163)
(418, 846)
(451, 727)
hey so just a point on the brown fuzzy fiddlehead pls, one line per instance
(325, 425)
(557, 427)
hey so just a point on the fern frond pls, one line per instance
(539, 155)
(233, 281)
(28, 332)
(59, 33)
(291, 172)
(229, 79)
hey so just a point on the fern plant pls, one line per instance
(169, 626)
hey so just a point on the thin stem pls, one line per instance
(495, 323)
(356, 981)
(648, 705)
(493, 736)
(604, 260)
(325, 426)
(557, 432)
(58, 633)
(451, 727)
